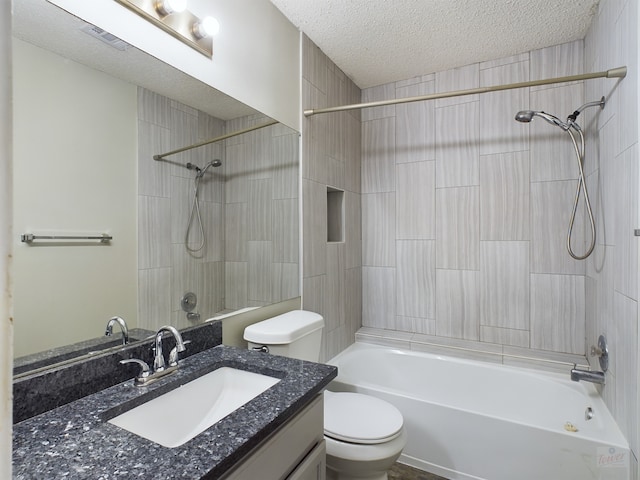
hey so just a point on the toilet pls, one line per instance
(364, 435)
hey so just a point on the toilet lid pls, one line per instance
(358, 418)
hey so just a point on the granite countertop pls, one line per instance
(75, 441)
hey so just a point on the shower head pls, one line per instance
(527, 115)
(216, 163)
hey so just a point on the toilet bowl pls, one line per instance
(364, 435)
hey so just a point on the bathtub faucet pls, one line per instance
(578, 374)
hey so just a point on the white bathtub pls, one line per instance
(475, 420)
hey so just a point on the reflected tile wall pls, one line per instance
(331, 149)
(248, 208)
(481, 205)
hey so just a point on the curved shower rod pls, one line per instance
(619, 72)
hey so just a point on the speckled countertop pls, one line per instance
(75, 441)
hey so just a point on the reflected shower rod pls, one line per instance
(619, 72)
(213, 140)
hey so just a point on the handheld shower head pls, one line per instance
(526, 116)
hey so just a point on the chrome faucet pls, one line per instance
(123, 326)
(578, 374)
(146, 375)
(158, 361)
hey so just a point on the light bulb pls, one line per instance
(207, 27)
(167, 7)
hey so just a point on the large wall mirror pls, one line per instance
(218, 223)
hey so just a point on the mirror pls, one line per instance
(89, 114)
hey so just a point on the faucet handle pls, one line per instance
(144, 372)
(173, 354)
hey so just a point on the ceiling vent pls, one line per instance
(105, 37)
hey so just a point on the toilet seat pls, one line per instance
(360, 419)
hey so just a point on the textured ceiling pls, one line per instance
(380, 41)
(45, 25)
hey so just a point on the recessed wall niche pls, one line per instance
(335, 215)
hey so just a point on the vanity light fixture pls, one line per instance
(173, 17)
(167, 7)
(205, 28)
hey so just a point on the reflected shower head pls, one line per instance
(527, 115)
(216, 163)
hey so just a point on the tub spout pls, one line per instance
(578, 374)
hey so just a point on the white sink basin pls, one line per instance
(177, 416)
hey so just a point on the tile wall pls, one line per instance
(249, 209)
(611, 281)
(465, 211)
(332, 271)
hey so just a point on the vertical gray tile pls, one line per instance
(154, 232)
(551, 204)
(285, 282)
(185, 275)
(415, 132)
(557, 61)
(499, 132)
(378, 156)
(153, 108)
(154, 298)
(285, 231)
(552, 153)
(153, 175)
(504, 291)
(378, 229)
(260, 209)
(184, 132)
(211, 294)
(182, 194)
(376, 94)
(353, 301)
(313, 295)
(461, 78)
(334, 289)
(415, 200)
(457, 304)
(558, 313)
(259, 271)
(353, 230)
(314, 228)
(416, 278)
(236, 285)
(378, 297)
(457, 228)
(236, 185)
(285, 166)
(315, 132)
(504, 196)
(353, 134)
(236, 232)
(457, 136)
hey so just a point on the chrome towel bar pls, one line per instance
(30, 237)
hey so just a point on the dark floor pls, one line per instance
(404, 472)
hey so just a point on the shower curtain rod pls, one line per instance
(619, 72)
(213, 140)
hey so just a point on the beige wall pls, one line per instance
(6, 356)
(256, 54)
(75, 148)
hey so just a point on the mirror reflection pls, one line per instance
(200, 234)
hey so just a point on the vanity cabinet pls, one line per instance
(296, 451)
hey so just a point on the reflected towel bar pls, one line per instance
(30, 237)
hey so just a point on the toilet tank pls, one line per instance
(295, 334)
